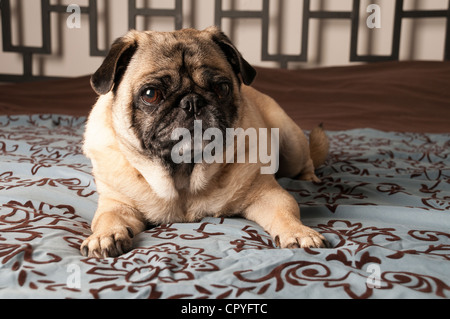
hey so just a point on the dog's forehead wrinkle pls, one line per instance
(186, 58)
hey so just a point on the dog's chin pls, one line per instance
(159, 141)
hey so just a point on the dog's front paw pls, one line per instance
(301, 237)
(111, 243)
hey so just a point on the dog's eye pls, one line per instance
(151, 96)
(222, 90)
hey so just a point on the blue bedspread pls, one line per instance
(383, 203)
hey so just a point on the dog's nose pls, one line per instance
(192, 104)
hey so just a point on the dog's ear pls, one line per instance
(239, 64)
(115, 64)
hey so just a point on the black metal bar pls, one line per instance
(241, 14)
(25, 49)
(425, 14)
(18, 78)
(282, 59)
(60, 8)
(7, 33)
(155, 12)
(305, 31)
(6, 25)
(46, 35)
(447, 36)
(27, 64)
(395, 46)
(132, 13)
(176, 13)
(218, 13)
(265, 31)
(330, 14)
(27, 52)
(397, 30)
(93, 30)
(354, 31)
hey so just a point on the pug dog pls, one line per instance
(152, 83)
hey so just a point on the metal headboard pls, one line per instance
(283, 60)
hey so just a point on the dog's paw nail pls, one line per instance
(85, 251)
(293, 246)
(105, 253)
(302, 237)
(277, 241)
(327, 244)
(130, 232)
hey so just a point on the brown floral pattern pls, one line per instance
(383, 203)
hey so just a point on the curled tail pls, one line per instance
(319, 146)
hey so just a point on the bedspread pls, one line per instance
(383, 203)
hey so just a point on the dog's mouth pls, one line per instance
(178, 134)
(177, 128)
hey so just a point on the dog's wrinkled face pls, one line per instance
(164, 81)
(187, 87)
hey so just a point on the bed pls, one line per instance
(383, 202)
